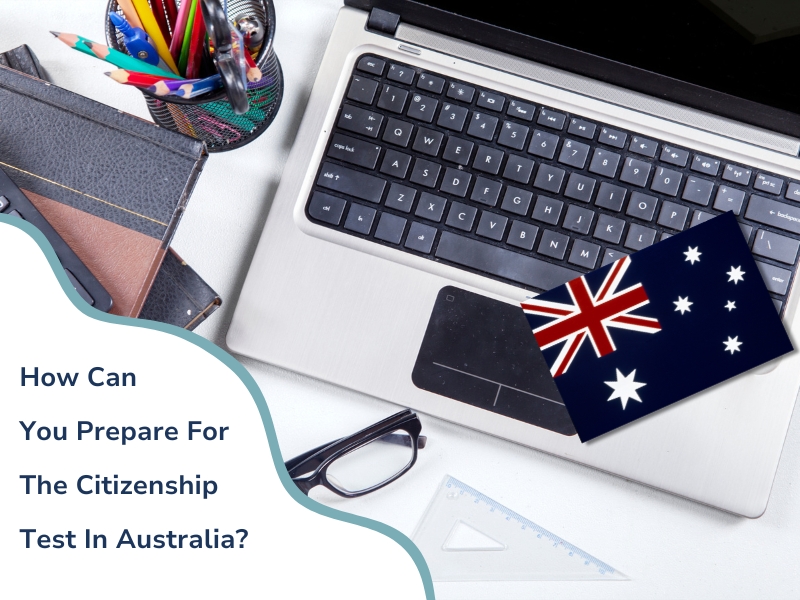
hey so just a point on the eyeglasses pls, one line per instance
(363, 462)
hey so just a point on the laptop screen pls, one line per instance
(745, 48)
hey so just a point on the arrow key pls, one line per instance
(643, 146)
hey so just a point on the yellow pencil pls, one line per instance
(150, 25)
(130, 13)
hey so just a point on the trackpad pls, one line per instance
(481, 351)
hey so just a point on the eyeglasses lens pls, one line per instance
(372, 464)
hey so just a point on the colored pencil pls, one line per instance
(253, 72)
(186, 88)
(195, 58)
(74, 41)
(172, 13)
(187, 37)
(140, 80)
(160, 14)
(150, 25)
(179, 29)
(126, 6)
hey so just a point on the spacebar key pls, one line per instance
(502, 263)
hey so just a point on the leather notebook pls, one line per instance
(112, 185)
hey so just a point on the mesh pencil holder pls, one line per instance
(210, 117)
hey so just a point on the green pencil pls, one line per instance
(183, 61)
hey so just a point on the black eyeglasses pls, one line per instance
(363, 462)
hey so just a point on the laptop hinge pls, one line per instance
(383, 21)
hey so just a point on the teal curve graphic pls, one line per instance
(251, 386)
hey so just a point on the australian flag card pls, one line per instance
(658, 326)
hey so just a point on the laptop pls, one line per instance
(453, 152)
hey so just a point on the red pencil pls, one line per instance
(253, 72)
(196, 46)
(172, 13)
(140, 80)
(161, 18)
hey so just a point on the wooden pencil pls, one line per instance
(172, 13)
(131, 16)
(179, 29)
(73, 41)
(186, 88)
(123, 61)
(253, 72)
(160, 14)
(195, 58)
(140, 80)
(187, 37)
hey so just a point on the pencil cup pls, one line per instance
(210, 117)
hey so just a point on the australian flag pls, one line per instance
(653, 328)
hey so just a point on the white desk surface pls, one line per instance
(669, 547)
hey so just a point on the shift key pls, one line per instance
(358, 152)
(766, 211)
(344, 180)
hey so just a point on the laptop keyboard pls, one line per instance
(523, 193)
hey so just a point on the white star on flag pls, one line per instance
(625, 388)
(683, 304)
(735, 275)
(732, 344)
(692, 255)
(730, 305)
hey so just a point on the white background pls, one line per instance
(671, 548)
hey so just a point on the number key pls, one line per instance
(482, 126)
(666, 181)
(422, 108)
(543, 144)
(635, 172)
(604, 163)
(452, 117)
(513, 135)
(392, 99)
(574, 154)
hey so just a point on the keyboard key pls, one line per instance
(578, 219)
(776, 279)
(573, 154)
(458, 151)
(427, 141)
(769, 184)
(643, 146)
(326, 208)
(639, 237)
(425, 173)
(400, 197)
(360, 121)
(431, 83)
(459, 91)
(455, 182)
(492, 226)
(390, 228)
(698, 190)
(584, 254)
(642, 206)
(666, 181)
(635, 172)
(552, 119)
(395, 164)
(609, 229)
(581, 128)
(491, 101)
(370, 64)
(362, 89)
(736, 174)
(674, 156)
(553, 244)
(502, 263)
(547, 210)
(392, 99)
(518, 169)
(612, 256)
(699, 217)
(401, 74)
(522, 235)
(543, 144)
(517, 201)
(488, 160)
(610, 196)
(360, 218)
(778, 304)
(461, 216)
(705, 164)
(397, 132)
(612, 137)
(673, 215)
(422, 108)
(746, 231)
(665, 236)
(793, 192)
(579, 187)
(768, 212)
(775, 246)
(549, 178)
(357, 152)
(604, 163)
(453, 117)
(430, 207)
(346, 181)
(513, 135)
(486, 191)
(420, 237)
(521, 110)
(482, 126)
(729, 199)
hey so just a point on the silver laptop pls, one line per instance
(455, 150)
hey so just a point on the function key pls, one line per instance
(643, 146)
(612, 137)
(705, 164)
(793, 193)
(401, 74)
(370, 64)
(491, 101)
(459, 91)
(736, 174)
(362, 90)
(768, 183)
(430, 83)
(549, 118)
(581, 128)
(674, 156)
(521, 110)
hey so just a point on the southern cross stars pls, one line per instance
(683, 304)
(730, 305)
(732, 344)
(625, 388)
(735, 275)
(692, 255)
